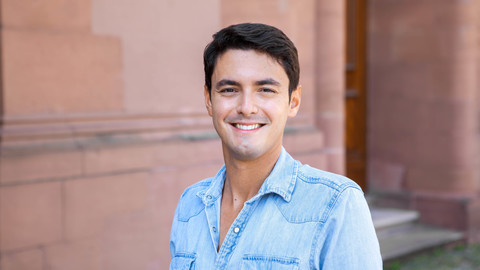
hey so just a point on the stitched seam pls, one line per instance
(333, 202)
(327, 181)
(323, 221)
(264, 258)
(319, 181)
(293, 181)
(188, 219)
(291, 220)
(186, 255)
(315, 245)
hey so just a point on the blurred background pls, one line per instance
(103, 124)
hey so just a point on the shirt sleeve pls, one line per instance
(350, 238)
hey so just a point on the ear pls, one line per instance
(208, 100)
(295, 100)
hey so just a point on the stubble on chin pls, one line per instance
(242, 150)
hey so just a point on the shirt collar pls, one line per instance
(282, 178)
(280, 181)
(214, 190)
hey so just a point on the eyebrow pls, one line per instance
(268, 81)
(226, 82)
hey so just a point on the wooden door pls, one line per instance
(355, 93)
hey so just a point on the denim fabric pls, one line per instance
(301, 218)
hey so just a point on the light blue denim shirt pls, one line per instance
(301, 218)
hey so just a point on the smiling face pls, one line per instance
(249, 103)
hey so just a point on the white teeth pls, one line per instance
(247, 127)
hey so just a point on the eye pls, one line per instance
(227, 90)
(267, 90)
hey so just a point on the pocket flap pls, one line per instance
(182, 261)
(269, 262)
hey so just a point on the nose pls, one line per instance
(246, 104)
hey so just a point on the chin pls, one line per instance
(249, 153)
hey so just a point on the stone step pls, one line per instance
(400, 234)
(413, 238)
(384, 218)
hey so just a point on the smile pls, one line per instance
(247, 127)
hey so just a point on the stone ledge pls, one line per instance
(414, 238)
(30, 136)
(388, 218)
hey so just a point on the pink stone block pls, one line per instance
(330, 76)
(83, 254)
(163, 64)
(90, 202)
(333, 126)
(58, 72)
(316, 160)
(30, 215)
(302, 142)
(385, 176)
(31, 259)
(135, 241)
(187, 153)
(413, 45)
(110, 159)
(336, 161)
(18, 168)
(48, 15)
(280, 14)
(443, 212)
(441, 179)
(409, 28)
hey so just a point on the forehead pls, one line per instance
(248, 64)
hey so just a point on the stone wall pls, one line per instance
(103, 123)
(423, 108)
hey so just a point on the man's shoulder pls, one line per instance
(317, 193)
(194, 189)
(190, 203)
(316, 178)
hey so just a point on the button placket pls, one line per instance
(211, 213)
(232, 237)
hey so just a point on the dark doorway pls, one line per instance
(355, 93)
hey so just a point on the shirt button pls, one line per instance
(214, 229)
(236, 230)
(209, 197)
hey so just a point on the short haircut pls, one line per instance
(253, 36)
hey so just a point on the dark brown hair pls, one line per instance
(253, 36)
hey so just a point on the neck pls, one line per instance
(245, 177)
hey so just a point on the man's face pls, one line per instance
(249, 103)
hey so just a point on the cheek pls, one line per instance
(219, 112)
(223, 107)
(276, 110)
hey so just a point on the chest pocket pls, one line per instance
(253, 262)
(183, 261)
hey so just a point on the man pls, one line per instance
(265, 210)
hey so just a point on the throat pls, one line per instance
(229, 210)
